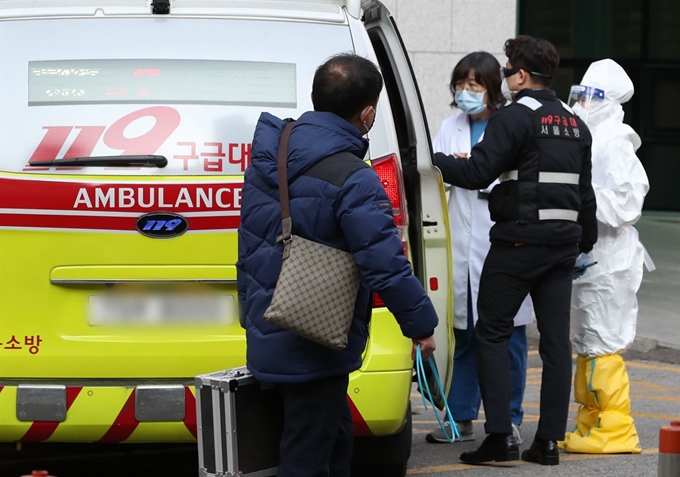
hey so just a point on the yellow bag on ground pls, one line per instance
(603, 424)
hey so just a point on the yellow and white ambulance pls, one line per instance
(125, 129)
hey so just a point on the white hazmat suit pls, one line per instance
(604, 303)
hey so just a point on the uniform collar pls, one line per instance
(544, 94)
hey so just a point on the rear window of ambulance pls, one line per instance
(189, 89)
(167, 81)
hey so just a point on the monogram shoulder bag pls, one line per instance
(317, 288)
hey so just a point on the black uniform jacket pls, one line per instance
(536, 144)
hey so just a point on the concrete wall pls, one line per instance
(438, 33)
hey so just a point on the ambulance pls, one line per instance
(125, 130)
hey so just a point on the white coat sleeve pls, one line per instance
(442, 143)
(620, 198)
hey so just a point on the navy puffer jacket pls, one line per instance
(338, 203)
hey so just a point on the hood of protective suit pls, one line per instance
(610, 77)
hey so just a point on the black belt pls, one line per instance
(483, 195)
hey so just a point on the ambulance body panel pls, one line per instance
(117, 283)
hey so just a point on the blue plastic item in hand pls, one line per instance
(422, 383)
(583, 261)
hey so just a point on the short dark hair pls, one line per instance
(533, 55)
(487, 73)
(345, 85)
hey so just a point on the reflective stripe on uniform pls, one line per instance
(558, 177)
(509, 176)
(558, 214)
(530, 103)
(565, 106)
(544, 177)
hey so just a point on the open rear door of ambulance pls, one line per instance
(429, 240)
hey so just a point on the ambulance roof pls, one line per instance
(315, 10)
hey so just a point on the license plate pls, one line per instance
(160, 309)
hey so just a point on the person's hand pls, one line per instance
(427, 346)
(583, 261)
(461, 155)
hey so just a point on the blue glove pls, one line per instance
(583, 261)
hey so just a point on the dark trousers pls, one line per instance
(464, 396)
(510, 273)
(318, 433)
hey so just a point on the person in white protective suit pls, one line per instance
(604, 303)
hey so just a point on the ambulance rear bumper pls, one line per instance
(93, 413)
(163, 413)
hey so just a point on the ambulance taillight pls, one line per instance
(391, 177)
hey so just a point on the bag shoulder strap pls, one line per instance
(282, 164)
(335, 169)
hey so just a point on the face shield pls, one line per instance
(583, 99)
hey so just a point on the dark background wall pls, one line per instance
(644, 37)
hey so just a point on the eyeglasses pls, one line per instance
(508, 72)
(474, 87)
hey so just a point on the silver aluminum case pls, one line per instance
(216, 408)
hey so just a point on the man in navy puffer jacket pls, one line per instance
(339, 202)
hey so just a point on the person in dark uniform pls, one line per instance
(544, 214)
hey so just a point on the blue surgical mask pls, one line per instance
(470, 102)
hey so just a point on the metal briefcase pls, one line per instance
(240, 422)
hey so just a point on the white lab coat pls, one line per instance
(470, 224)
(604, 302)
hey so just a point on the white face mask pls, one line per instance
(470, 102)
(506, 91)
(363, 113)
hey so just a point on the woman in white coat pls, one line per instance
(476, 88)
